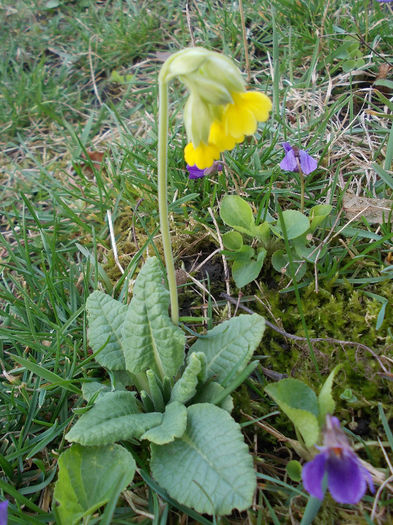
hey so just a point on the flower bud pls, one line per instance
(185, 62)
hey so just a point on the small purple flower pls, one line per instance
(347, 479)
(196, 173)
(3, 512)
(294, 157)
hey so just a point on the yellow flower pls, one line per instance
(241, 117)
(201, 156)
(238, 119)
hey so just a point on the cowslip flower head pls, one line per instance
(347, 479)
(3, 512)
(219, 112)
(195, 173)
(295, 157)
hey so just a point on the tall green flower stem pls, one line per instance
(163, 193)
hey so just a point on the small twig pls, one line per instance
(245, 44)
(113, 241)
(377, 495)
(311, 339)
(188, 17)
(92, 74)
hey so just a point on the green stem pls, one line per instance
(301, 191)
(163, 196)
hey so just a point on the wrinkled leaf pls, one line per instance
(299, 402)
(115, 416)
(150, 338)
(185, 388)
(209, 468)
(105, 318)
(229, 346)
(210, 392)
(89, 477)
(173, 425)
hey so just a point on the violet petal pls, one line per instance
(194, 172)
(289, 163)
(307, 163)
(3, 512)
(346, 478)
(312, 475)
(286, 146)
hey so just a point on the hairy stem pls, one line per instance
(163, 196)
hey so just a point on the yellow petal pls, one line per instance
(239, 120)
(218, 137)
(258, 103)
(202, 156)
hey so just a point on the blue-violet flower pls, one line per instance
(295, 157)
(3, 512)
(196, 173)
(347, 479)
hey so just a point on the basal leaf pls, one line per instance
(89, 477)
(151, 340)
(229, 346)
(105, 318)
(209, 468)
(115, 416)
(185, 387)
(173, 425)
(209, 392)
(94, 387)
(300, 404)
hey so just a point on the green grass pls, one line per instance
(58, 102)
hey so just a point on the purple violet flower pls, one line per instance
(294, 157)
(196, 173)
(3, 512)
(347, 479)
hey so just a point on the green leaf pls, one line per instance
(294, 470)
(262, 232)
(318, 214)
(150, 338)
(280, 262)
(89, 477)
(326, 402)
(244, 272)
(173, 425)
(300, 404)
(295, 224)
(229, 346)
(237, 213)
(115, 416)
(92, 388)
(232, 240)
(106, 317)
(185, 388)
(210, 392)
(209, 467)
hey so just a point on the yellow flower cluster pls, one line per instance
(238, 119)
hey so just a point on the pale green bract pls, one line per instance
(181, 406)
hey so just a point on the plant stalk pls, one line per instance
(163, 196)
